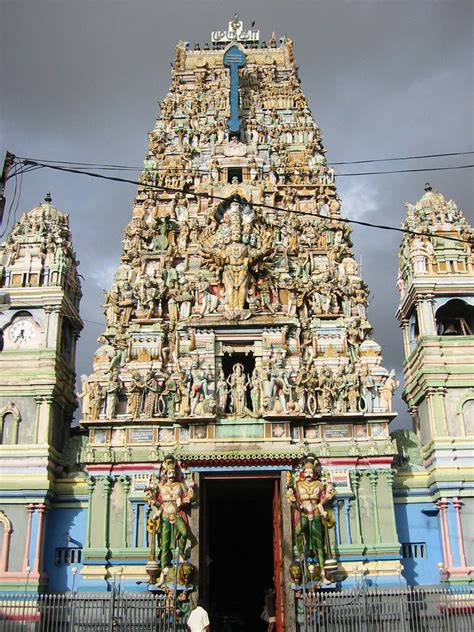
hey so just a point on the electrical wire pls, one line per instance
(112, 167)
(255, 204)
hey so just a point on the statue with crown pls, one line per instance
(168, 494)
(310, 497)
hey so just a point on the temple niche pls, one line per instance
(237, 332)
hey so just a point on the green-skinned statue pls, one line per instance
(168, 496)
(309, 495)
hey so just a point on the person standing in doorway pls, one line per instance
(198, 620)
(270, 606)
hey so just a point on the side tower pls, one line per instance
(39, 318)
(436, 312)
(237, 348)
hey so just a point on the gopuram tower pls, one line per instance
(238, 409)
(436, 312)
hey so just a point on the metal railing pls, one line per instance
(412, 609)
(418, 609)
(115, 611)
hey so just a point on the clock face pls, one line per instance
(22, 331)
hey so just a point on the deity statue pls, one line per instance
(387, 388)
(95, 399)
(222, 392)
(236, 258)
(256, 390)
(112, 392)
(150, 391)
(367, 389)
(238, 383)
(199, 388)
(309, 495)
(167, 497)
(85, 395)
(172, 394)
(135, 395)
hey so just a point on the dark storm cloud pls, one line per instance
(80, 81)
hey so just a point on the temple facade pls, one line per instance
(234, 430)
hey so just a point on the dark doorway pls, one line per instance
(238, 552)
(247, 360)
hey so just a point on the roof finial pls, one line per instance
(47, 198)
(428, 187)
(235, 22)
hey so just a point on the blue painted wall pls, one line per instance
(65, 528)
(418, 522)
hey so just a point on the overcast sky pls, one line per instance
(80, 81)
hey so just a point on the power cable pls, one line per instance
(260, 205)
(105, 166)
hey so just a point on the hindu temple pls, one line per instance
(234, 430)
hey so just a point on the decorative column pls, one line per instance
(38, 401)
(26, 555)
(406, 336)
(390, 476)
(55, 329)
(126, 484)
(373, 478)
(427, 327)
(38, 563)
(90, 488)
(457, 508)
(107, 484)
(43, 425)
(443, 505)
(419, 316)
(354, 476)
(47, 310)
(135, 524)
(347, 520)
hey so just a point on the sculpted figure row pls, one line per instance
(275, 389)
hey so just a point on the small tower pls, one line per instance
(39, 319)
(436, 313)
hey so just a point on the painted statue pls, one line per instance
(167, 497)
(238, 383)
(310, 496)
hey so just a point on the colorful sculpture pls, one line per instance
(310, 497)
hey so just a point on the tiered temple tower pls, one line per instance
(436, 312)
(237, 347)
(39, 319)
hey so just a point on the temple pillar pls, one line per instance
(373, 478)
(90, 488)
(354, 476)
(126, 484)
(26, 554)
(462, 553)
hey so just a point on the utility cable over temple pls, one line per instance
(237, 414)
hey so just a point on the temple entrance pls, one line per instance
(237, 555)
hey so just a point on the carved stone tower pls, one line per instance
(237, 347)
(436, 312)
(39, 318)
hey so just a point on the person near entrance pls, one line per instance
(198, 620)
(270, 608)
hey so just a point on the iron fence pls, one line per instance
(115, 611)
(413, 609)
(419, 609)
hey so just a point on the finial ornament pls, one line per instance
(428, 187)
(47, 198)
